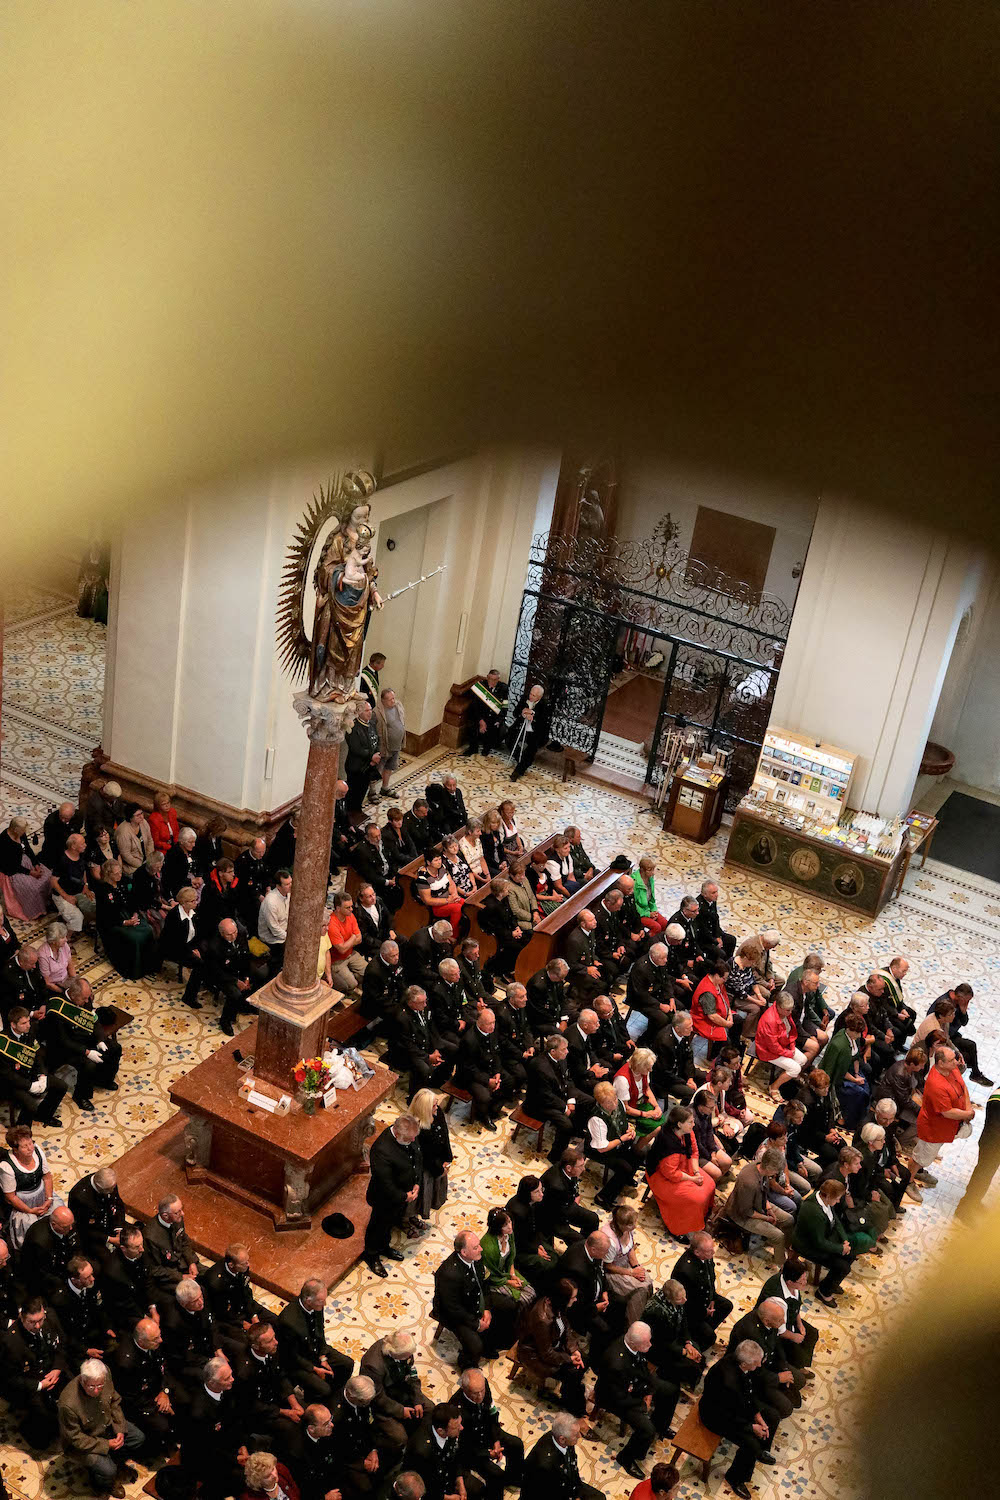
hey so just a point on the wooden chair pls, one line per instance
(522, 1121)
(452, 1092)
(694, 1439)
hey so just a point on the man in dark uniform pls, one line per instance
(363, 755)
(624, 1383)
(344, 836)
(776, 1384)
(477, 991)
(34, 1370)
(355, 1439)
(425, 950)
(213, 1431)
(707, 926)
(530, 730)
(266, 1392)
(49, 1246)
(729, 1407)
(673, 1352)
(518, 1044)
(433, 1453)
(226, 968)
(480, 1070)
(612, 1042)
(550, 1094)
(486, 726)
(229, 1294)
(59, 824)
(696, 1273)
(650, 995)
(73, 1034)
(447, 805)
(382, 988)
(396, 1166)
(588, 975)
(686, 917)
(483, 1446)
(316, 1459)
(551, 1471)
(311, 1362)
(583, 1264)
(674, 1072)
(561, 1215)
(21, 983)
(415, 1047)
(460, 1298)
(549, 997)
(190, 1333)
(255, 877)
(126, 1281)
(25, 1080)
(168, 1245)
(798, 1338)
(83, 1318)
(99, 1213)
(449, 1008)
(139, 1372)
(370, 861)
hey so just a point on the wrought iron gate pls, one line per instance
(722, 642)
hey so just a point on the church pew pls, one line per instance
(473, 906)
(549, 937)
(413, 913)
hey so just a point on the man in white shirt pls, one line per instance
(272, 923)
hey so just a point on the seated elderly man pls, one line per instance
(94, 1430)
(729, 1407)
(399, 1399)
(551, 1470)
(776, 1383)
(627, 1387)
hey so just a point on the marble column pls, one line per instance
(294, 1006)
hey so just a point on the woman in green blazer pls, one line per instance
(845, 1065)
(820, 1236)
(644, 896)
(506, 1291)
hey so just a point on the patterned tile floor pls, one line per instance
(947, 922)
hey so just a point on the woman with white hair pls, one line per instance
(149, 894)
(55, 958)
(880, 1176)
(24, 883)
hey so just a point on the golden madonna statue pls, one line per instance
(344, 580)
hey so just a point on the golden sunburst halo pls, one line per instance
(336, 500)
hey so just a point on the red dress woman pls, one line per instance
(684, 1194)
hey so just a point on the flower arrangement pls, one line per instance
(312, 1075)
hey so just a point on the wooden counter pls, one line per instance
(855, 881)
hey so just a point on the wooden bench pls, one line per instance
(563, 760)
(346, 1022)
(549, 937)
(452, 1092)
(694, 1439)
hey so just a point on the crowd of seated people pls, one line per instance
(630, 1048)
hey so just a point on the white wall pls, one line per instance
(195, 696)
(649, 488)
(870, 642)
(972, 727)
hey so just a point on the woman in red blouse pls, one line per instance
(163, 824)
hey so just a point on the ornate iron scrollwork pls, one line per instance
(581, 592)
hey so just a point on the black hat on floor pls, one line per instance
(337, 1226)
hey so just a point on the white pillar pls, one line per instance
(870, 640)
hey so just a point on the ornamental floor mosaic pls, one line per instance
(948, 924)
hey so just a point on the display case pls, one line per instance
(804, 776)
(695, 803)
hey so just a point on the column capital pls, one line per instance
(326, 720)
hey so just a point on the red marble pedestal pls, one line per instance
(266, 1179)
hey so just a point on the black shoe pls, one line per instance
(412, 1232)
(739, 1489)
(516, 775)
(109, 1088)
(55, 1123)
(603, 1202)
(978, 1077)
(128, 1475)
(767, 1458)
(375, 1266)
(87, 1105)
(631, 1466)
(468, 752)
(393, 1255)
(191, 1004)
(227, 1027)
(488, 1124)
(827, 1298)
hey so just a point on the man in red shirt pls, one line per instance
(944, 1110)
(347, 965)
